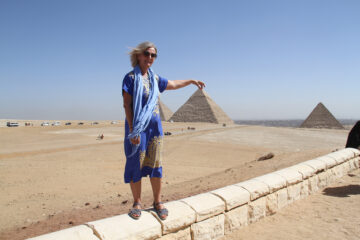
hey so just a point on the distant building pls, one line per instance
(165, 112)
(321, 117)
(201, 108)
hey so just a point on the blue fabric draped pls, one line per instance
(142, 114)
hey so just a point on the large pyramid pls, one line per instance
(165, 112)
(200, 108)
(320, 117)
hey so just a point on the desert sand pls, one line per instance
(56, 177)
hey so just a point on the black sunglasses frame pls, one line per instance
(148, 54)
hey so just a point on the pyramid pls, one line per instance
(165, 112)
(200, 108)
(320, 117)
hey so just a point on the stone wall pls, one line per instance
(214, 214)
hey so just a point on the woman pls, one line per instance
(143, 130)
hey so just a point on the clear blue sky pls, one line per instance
(65, 59)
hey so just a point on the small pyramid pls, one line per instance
(320, 117)
(200, 108)
(165, 112)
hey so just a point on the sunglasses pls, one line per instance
(148, 54)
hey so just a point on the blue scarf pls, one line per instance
(142, 115)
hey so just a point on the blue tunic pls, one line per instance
(147, 160)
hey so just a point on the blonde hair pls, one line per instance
(139, 49)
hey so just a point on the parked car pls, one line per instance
(80, 123)
(55, 124)
(68, 123)
(45, 124)
(12, 124)
(94, 123)
(114, 122)
(167, 133)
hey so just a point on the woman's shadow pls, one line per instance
(343, 191)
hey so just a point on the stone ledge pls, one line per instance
(233, 196)
(124, 227)
(292, 176)
(180, 216)
(274, 181)
(355, 151)
(205, 205)
(329, 161)
(255, 188)
(342, 155)
(318, 165)
(305, 170)
(81, 232)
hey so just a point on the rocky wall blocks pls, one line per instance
(294, 192)
(354, 163)
(282, 198)
(304, 191)
(357, 162)
(257, 209)
(323, 179)
(184, 234)
(338, 171)
(212, 228)
(236, 218)
(271, 204)
(346, 167)
(313, 184)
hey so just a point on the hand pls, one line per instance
(199, 84)
(135, 140)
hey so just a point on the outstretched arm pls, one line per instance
(176, 84)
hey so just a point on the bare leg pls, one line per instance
(156, 187)
(136, 192)
(160, 208)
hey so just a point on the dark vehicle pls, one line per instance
(80, 123)
(94, 123)
(167, 133)
(68, 123)
(12, 124)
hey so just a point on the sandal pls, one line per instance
(135, 213)
(161, 212)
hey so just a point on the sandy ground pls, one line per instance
(59, 176)
(330, 214)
